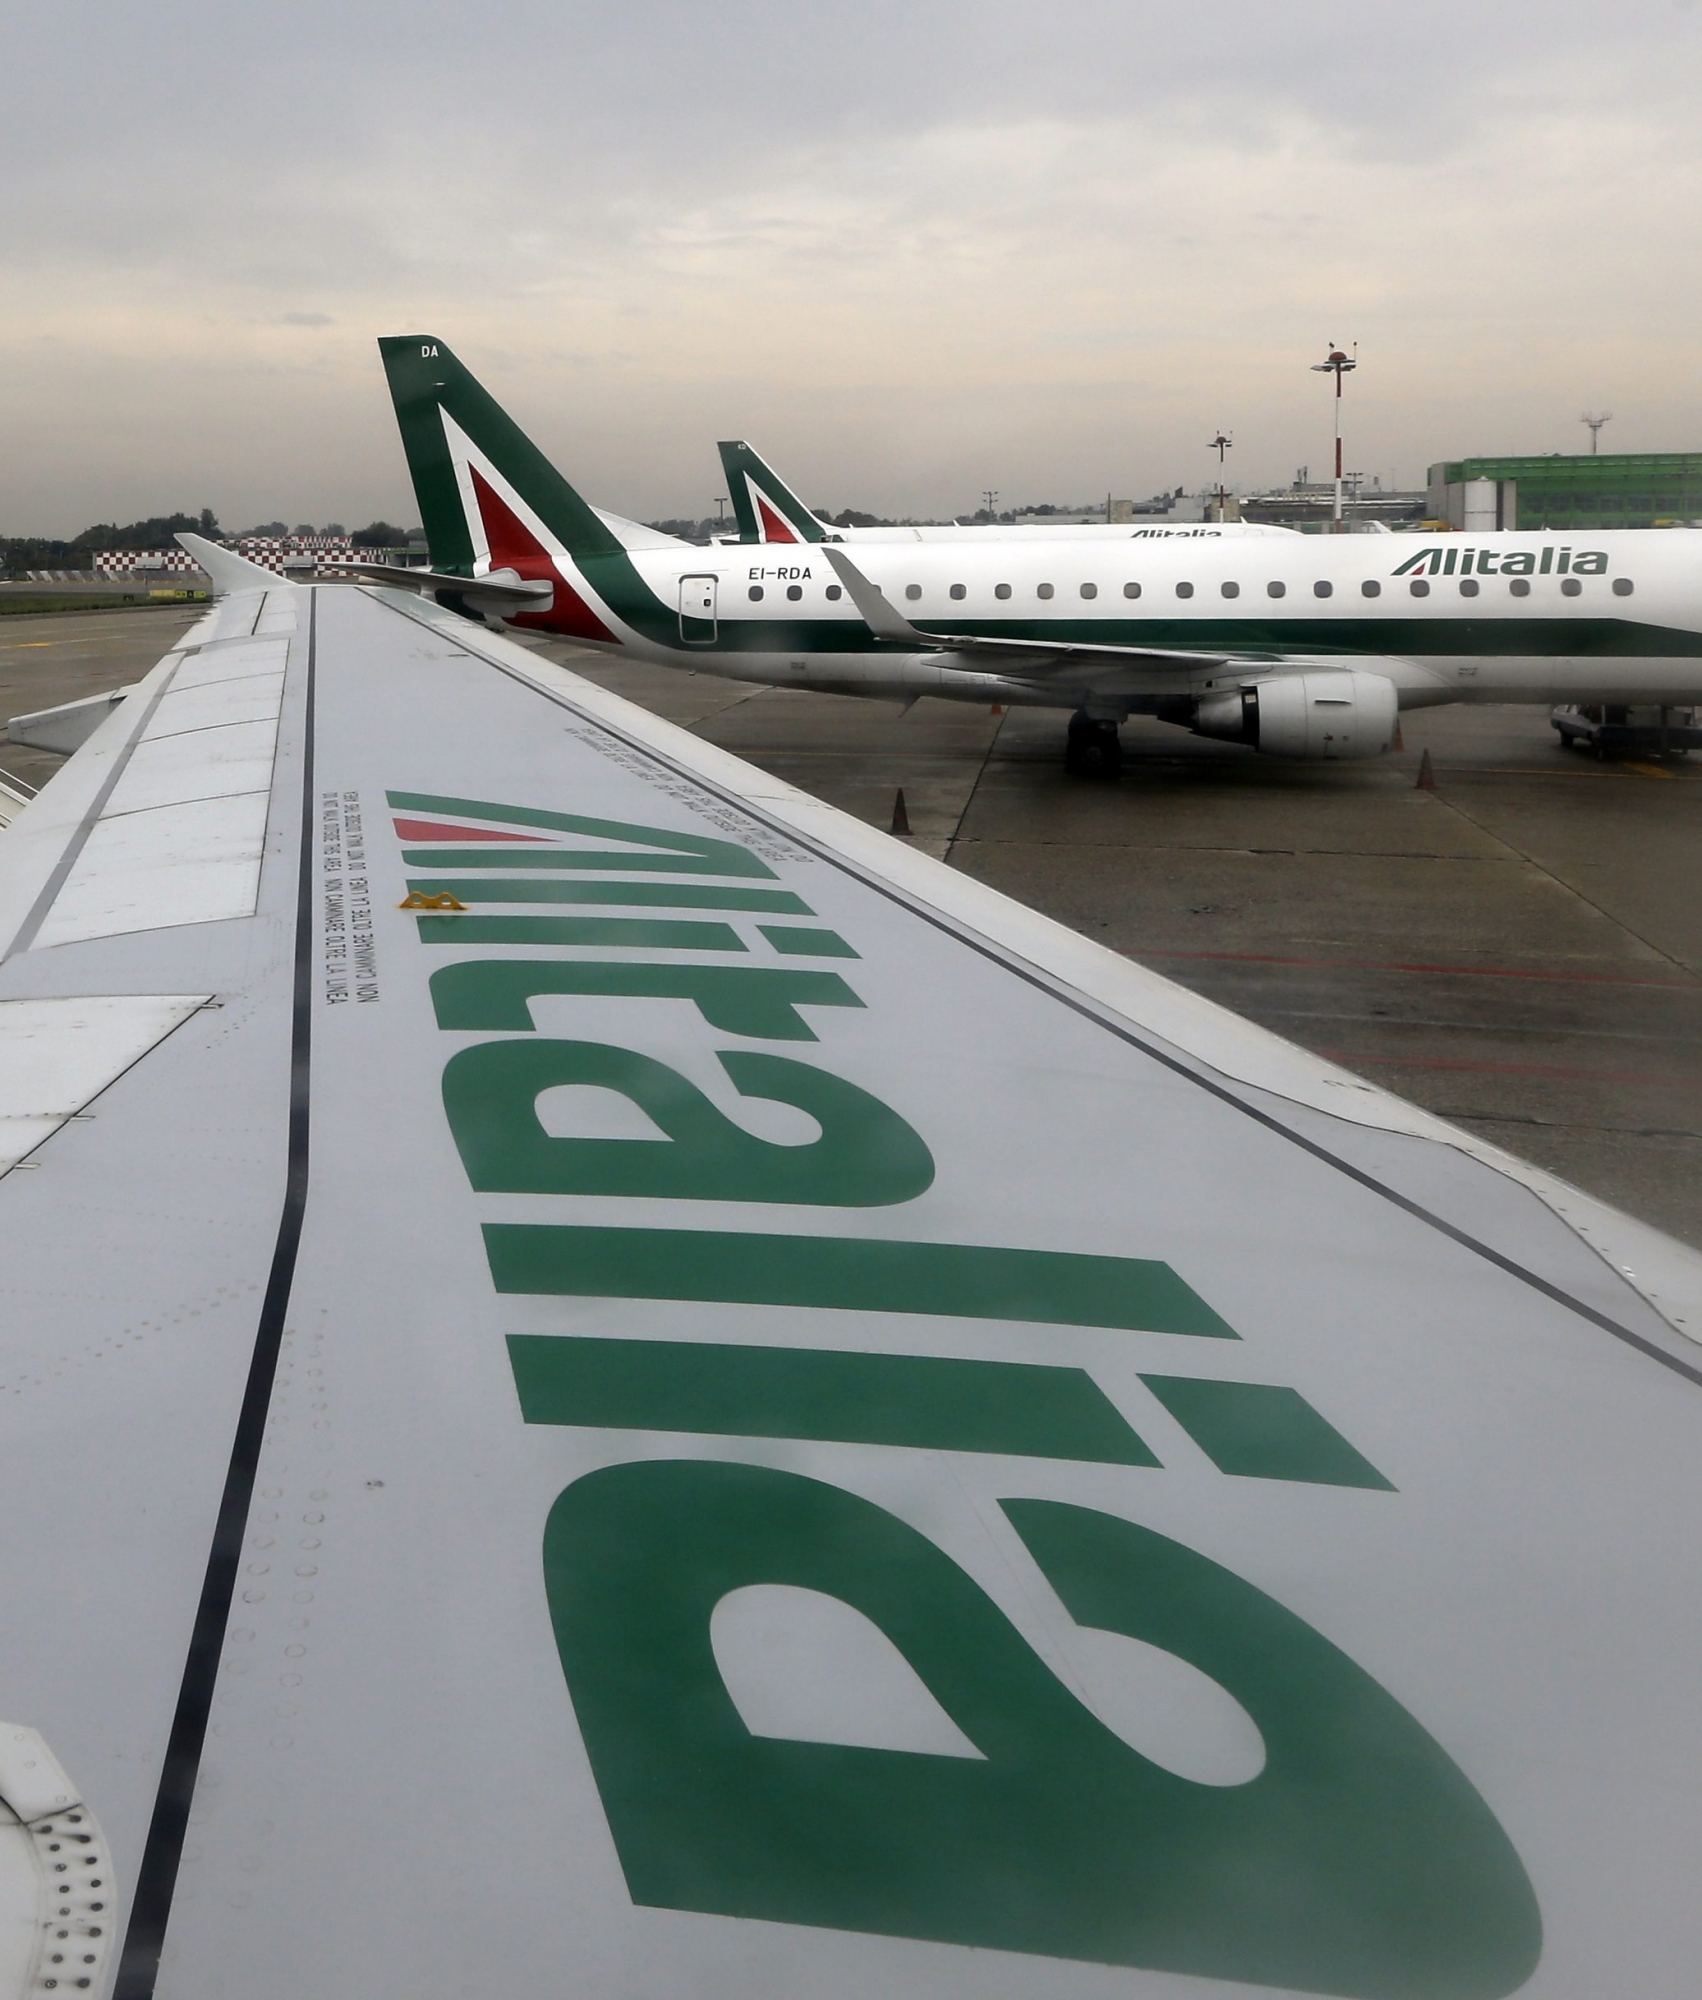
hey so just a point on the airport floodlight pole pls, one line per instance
(990, 494)
(1337, 365)
(1220, 444)
(1595, 420)
(720, 510)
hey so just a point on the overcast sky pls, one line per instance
(910, 250)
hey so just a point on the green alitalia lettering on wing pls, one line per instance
(1258, 1430)
(760, 1001)
(1359, 1862)
(864, 1155)
(848, 1274)
(730, 857)
(655, 895)
(561, 859)
(916, 1401)
(615, 933)
(806, 941)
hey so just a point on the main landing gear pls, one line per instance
(1092, 748)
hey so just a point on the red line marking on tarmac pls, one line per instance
(1352, 1060)
(1398, 965)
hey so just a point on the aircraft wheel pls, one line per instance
(1092, 748)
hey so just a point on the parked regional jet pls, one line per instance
(768, 510)
(616, 1385)
(1298, 645)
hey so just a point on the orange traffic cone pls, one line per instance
(900, 818)
(1426, 776)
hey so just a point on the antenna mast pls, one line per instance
(1220, 444)
(1595, 422)
(1337, 365)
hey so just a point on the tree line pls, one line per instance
(22, 552)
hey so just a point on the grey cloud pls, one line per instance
(917, 247)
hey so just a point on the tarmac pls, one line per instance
(1519, 949)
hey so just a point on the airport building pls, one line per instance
(1310, 505)
(1567, 491)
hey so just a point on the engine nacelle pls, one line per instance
(1338, 712)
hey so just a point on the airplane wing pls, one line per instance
(615, 1384)
(1015, 656)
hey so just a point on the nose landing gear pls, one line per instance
(1092, 748)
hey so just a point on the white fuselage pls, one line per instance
(1539, 617)
(1044, 531)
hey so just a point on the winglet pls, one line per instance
(227, 571)
(878, 614)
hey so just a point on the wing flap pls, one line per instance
(65, 728)
(57, 1055)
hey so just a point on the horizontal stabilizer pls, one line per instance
(502, 584)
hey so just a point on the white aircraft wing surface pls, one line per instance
(615, 1386)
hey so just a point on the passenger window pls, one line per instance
(1276, 589)
(1323, 589)
(1469, 586)
(1419, 587)
(1622, 586)
(1001, 590)
(794, 591)
(1131, 590)
(913, 591)
(1092, 589)
(958, 592)
(1231, 589)
(834, 593)
(1184, 590)
(1371, 588)
(1520, 586)
(1571, 587)
(1043, 590)
(756, 593)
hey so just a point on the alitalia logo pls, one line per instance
(1357, 1859)
(1442, 559)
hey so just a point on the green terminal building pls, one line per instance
(1656, 489)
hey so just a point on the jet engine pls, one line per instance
(1339, 712)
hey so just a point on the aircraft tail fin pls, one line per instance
(765, 507)
(488, 497)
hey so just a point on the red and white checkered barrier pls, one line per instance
(293, 555)
(324, 555)
(130, 562)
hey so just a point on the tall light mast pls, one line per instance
(1337, 365)
(1220, 444)
(1595, 420)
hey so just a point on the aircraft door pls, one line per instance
(697, 610)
